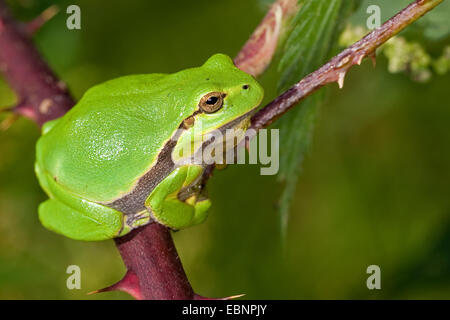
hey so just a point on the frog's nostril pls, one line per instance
(245, 86)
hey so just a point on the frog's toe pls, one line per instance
(96, 223)
(201, 211)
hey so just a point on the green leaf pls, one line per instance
(310, 43)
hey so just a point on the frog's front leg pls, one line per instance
(167, 207)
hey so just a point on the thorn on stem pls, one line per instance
(34, 25)
(198, 297)
(373, 57)
(128, 284)
(359, 59)
(25, 110)
(8, 121)
(341, 79)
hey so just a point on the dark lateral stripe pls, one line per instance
(134, 201)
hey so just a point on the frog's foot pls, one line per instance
(201, 206)
(93, 222)
(173, 211)
(177, 214)
(133, 221)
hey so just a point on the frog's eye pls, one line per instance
(211, 102)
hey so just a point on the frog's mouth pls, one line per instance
(229, 140)
(242, 122)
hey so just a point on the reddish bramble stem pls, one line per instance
(42, 96)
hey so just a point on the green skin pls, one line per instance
(107, 165)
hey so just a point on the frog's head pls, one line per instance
(224, 97)
(223, 93)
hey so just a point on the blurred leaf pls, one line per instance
(313, 36)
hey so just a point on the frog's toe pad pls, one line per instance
(201, 211)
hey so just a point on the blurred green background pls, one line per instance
(374, 187)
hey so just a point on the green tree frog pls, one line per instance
(108, 164)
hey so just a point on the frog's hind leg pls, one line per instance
(95, 222)
(78, 218)
(168, 209)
